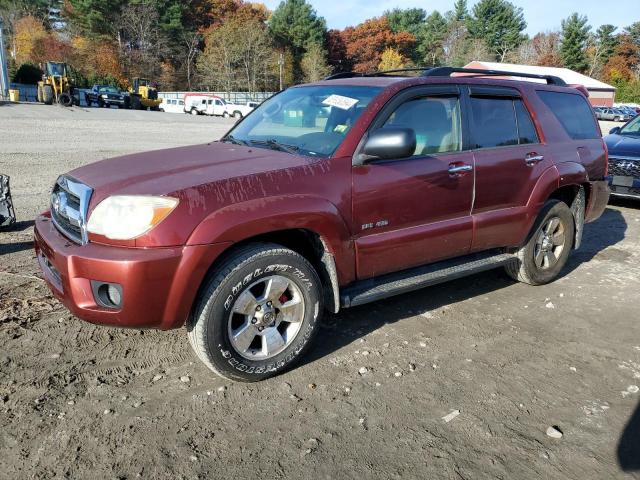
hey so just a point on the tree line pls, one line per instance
(239, 45)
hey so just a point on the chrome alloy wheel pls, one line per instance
(266, 317)
(549, 244)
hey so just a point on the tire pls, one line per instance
(237, 115)
(225, 114)
(194, 111)
(135, 103)
(40, 95)
(65, 99)
(100, 103)
(541, 259)
(238, 284)
(47, 95)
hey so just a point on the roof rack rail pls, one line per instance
(447, 71)
(381, 73)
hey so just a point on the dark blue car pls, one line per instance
(624, 159)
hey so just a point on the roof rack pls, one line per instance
(381, 73)
(447, 71)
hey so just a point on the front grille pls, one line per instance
(625, 166)
(69, 205)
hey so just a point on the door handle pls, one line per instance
(453, 169)
(532, 158)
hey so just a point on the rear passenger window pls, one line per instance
(436, 122)
(573, 112)
(493, 122)
(526, 130)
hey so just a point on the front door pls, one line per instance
(415, 210)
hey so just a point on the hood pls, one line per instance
(623, 145)
(164, 172)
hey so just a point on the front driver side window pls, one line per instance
(436, 121)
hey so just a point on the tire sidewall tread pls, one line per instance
(205, 332)
(523, 268)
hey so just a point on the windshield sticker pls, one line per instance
(345, 103)
(340, 128)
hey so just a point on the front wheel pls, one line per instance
(225, 114)
(547, 250)
(237, 115)
(257, 314)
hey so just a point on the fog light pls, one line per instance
(108, 295)
(113, 294)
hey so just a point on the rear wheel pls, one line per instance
(547, 250)
(257, 313)
(237, 115)
(194, 111)
(65, 99)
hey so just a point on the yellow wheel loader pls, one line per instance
(56, 85)
(143, 95)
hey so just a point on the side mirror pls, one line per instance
(389, 143)
(614, 130)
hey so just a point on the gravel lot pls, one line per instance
(81, 401)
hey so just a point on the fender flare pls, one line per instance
(241, 221)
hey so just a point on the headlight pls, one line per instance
(124, 217)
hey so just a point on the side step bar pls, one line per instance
(405, 281)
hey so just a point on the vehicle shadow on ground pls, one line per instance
(8, 248)
(629, 446)
(351, 324)
(20, 226)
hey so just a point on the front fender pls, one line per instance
(240, 221)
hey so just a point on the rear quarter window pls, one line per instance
(573, 112)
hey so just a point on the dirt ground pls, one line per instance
(82, 401)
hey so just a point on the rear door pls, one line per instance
(415, 210)
(509, 159)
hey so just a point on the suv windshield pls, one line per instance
(632, 128)
(309, 120)
(107, 89)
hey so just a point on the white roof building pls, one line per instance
(600, 93)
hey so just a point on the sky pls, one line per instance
(541, 15)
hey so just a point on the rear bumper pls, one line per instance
(159, 285)
(598, 199)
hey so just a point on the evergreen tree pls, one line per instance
(499, 24)
(295, 25)
(406, 20)
(431, 39)
(460, 10)
(573, 49)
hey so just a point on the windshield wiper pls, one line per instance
(235, 141)
(275, 145)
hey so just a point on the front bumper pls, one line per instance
(159, 285)
(627, 187)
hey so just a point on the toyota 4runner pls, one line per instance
(327, 196)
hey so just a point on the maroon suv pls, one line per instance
(328, 195)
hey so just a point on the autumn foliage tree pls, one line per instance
(366, 42)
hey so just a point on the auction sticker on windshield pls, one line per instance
(345, 103)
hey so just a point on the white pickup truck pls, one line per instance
(219, 107)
